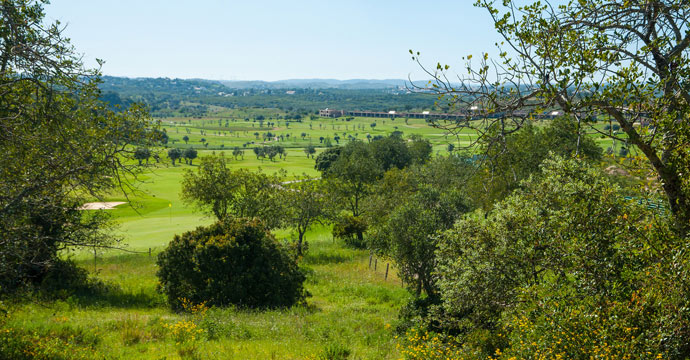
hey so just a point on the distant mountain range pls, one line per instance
(317, 84)
(353, 84)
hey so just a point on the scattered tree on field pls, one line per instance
(174, 154)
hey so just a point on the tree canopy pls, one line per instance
(60, 144)
(628, 61)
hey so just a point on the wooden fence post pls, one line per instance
(375, 262)
(386, 277)
(369, 261)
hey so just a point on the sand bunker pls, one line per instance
(614, 170)
(101, 205)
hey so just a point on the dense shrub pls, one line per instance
(234, 261)
(348, 228)
(563, 268)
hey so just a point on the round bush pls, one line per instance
(350, 229)
(232, 262)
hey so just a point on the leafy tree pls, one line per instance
(259, 152)
(186, 139)
(60, 145)
(220, 191)
(391, 152)
(305, 203)
(626, 60)
(326, 159)
(142, 153)
(310, 150)
(280, 150)
(189, 155)
(271, 152)
(174, 154)
(420, 149)
(407, 210)
(346, 227)
(351, 176)
(303, 135)
(520, 154)
(411, 234)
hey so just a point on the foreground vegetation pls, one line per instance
(351, 309)
(532, 243)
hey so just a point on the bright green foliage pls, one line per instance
(305, 203)
(232, 262)
(241, 193)
(520, 153)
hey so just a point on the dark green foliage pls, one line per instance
(142, 154)
(310, 150)
(391, 152)
(326, 159)
(350, 229)
(172, 97)
(410, 235)
(352, 175)
(189, 155)
(420, 149)
(232, 262)
(174, 154)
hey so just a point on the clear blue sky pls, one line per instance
(270, 39)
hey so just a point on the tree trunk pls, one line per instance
(299, 243)
(671, 181)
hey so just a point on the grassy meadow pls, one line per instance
(352, 308)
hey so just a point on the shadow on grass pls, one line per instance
(108, 295)
(323, 258)
(71, 283)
